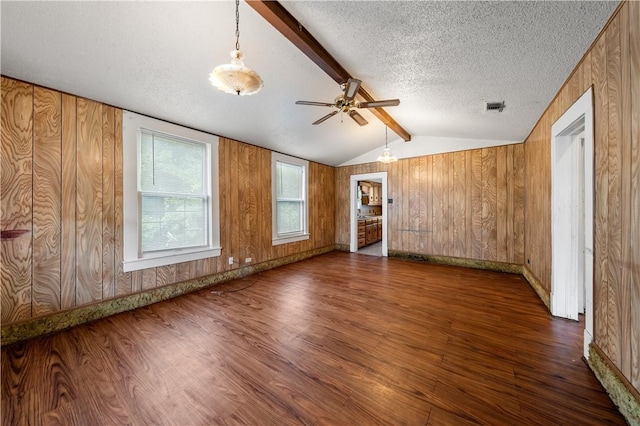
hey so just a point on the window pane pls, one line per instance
(289, 178)
(173, 222)
(171, 165)
(289, 216)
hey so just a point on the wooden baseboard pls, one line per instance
(621, 392)
(28, 329)
(488, 265)
(535, 283)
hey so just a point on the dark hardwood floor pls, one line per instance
(337, 339)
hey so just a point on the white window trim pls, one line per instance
(133, 260)
(304, 235)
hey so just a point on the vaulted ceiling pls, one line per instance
(441, 59)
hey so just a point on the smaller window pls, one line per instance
(290, 207)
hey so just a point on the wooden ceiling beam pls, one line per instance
(274, 13)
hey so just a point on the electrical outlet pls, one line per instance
(231, 260)
(247, 260)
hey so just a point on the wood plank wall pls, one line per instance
(612, 68)
(62, 182)
(467, 204)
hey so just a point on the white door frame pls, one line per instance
(353, 211)
(568, 255)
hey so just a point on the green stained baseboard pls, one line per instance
(628, 404)
(28, 329)
(488, 265)
(537, 287)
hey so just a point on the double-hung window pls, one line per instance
(290, 206)
(170, 196)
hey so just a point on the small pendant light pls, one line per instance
(386, 156)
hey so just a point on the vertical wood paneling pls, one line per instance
(260, 214)
(437, 218)
(423, 203)
(445, 203)
(457, 179)
(510, 192)
(182, 272)
(89, 202)
(47, 193)
(599, 69)
(392, 209)
(413, 239)
(136, 280)
(265, 201)
(501, 204)
(587, 75)
(405, 211)
(233, 220)
(223, 192)
(342, 221)
(489, 214)
(122, 279)
(246, 202)
(518, 204)
(476, 201)
(108, 202)
(68, 220)
(78, 210)
(428, 195)
(614, 228)
(611, 66)
(574, 85)
(634, 200)
(149, 278)
(17, 151)
(468, 204)
(624, 101)
(165, 275)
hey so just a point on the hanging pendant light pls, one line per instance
(235, 77)
(386, 156)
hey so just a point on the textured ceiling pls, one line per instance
(441, 59)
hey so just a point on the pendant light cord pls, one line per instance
(386, 139)
(237, 25)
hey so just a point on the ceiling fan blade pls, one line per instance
(357, 117)
(314, 103)
(326, 117)
(351, 89)
(377, 104)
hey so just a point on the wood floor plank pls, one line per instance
(336, 339)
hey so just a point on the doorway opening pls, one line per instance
(572, 170)
(368, 213)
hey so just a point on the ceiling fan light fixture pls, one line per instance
(351, 88)
(235, 77)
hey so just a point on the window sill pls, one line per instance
(291, 239)
(168, 259)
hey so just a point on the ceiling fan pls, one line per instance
(346, 102)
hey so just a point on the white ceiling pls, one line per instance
(441, 59)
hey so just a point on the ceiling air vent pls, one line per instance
(494, 106)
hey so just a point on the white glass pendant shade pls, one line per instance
(386, 157)
(235, 77)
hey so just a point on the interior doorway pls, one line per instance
(572, 172)
(358, 214)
